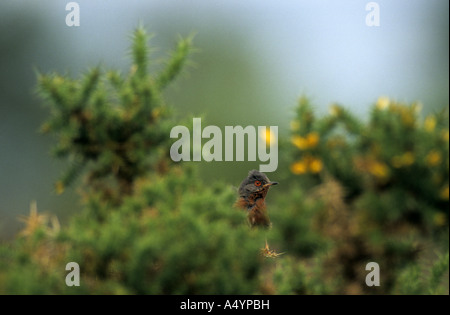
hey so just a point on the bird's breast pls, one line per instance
(257, 215)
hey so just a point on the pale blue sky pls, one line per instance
(322, 48)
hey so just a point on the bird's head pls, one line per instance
(256, 183)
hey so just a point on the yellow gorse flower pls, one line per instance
(407, 114)
(308, 164)
(315, 165)
(379, 169)
(434, 158)
(335, 110)
(404, 160)
(268, 136)
(444, 193)
(382, 103)
(299, 168)
(430, 123)
(304, 143)
(408, 119)
(445, 135)
(299, 142)
(312, 139)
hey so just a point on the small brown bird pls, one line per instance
(252, 193)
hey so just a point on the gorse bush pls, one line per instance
(183, 246)
(168, 238)
(383, 186)
(355, 192)
(114, 125)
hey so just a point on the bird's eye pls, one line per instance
(258, 183)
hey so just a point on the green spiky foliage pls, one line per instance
(174, 236)
(427, 279)
(113, 126)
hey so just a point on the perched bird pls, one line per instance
(252, 193)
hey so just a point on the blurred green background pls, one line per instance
(254, 59)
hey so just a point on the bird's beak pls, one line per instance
(270, 184)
